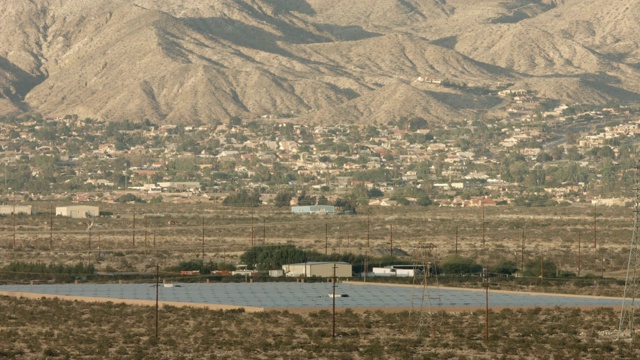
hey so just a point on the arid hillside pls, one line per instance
(311, 60)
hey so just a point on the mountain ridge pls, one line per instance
(315, 60)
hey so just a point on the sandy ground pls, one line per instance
(36, 296)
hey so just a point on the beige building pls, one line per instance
(318, 268)
(78, 211)
(180, 186)
(19, 209)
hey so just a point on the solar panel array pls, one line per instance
(311, 295)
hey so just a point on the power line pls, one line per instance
(627, 313)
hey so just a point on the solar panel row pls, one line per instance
(311, 295)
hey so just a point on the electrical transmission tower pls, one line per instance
(627, 314)
(426, 259)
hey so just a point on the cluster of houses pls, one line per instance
(221, 159)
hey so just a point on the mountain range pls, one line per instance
(324, 61)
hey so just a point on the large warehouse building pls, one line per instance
(313, 209)
(318, 268)
(78, 212)
(19, 209)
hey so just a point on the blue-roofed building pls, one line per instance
(314, 209)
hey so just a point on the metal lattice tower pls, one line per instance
(627, 314)
(424, 254)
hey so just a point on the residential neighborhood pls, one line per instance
(528, 157)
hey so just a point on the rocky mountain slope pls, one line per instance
(314, 60)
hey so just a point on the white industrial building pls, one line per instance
(180, 186)
(313, 209)
(78, 211)
(18, 209)
(398, 270)
(318, 268)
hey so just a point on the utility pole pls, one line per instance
(366, 253)
(252, 231)
(456, 240)
(264, 231)
(333, 333)
(157, 287)
(366, 265)
(348, 242)
(326, 238)
(579, 250)
(154, 240)
(145, 234)
(203, 239)
(13, 220)
(391, 239)
(90, 226)
(485, 275)
(51, 227)
(368, 228)
(483, 226)
(595, 225)
(134, 226)
(522, 251)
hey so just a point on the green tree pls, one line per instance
(571, 172)
(609, 174)
(418, 123)
(375, 175)
(189, 145)
(375, 193)
(340, 161)
(574, 155)
(505, 267)
(126, 198)
(544, 157)
(557, 153)
(518, 171)
(347, 205)
(360, 194)
(606, 152)
(234, 121)
(400, 199)
(456, 265)
(533, 267)
(322, 200)
(534, 199)
(273, 256)
(306, 200)
(536, 177)
(283, 198)
(243, 198)
(423, 200)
